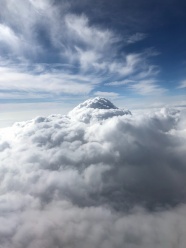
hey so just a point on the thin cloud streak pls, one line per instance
(111, 95)
(51, 83)
(147, 87)
(182, 85)
(136, 37)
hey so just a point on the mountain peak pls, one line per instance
(97, 103)
(98, 108)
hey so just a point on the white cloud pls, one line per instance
(22, 95)
(132, 63)
(182, 85)
(42, 4)
(136, 37)
(120, 83)
(147, 87)
(18, 30)
(106, 94)
(150, 72)
(141, 87)
(52, 83)
(95, 37)
(41, 31)
(7, 36)
(87, 58)
(74, 183)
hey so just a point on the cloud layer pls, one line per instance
(104, 180)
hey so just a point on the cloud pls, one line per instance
(104, 180)
(37, 85)
(182, 85)
(92, 36)
(106, 94)
(119, 83)
(7, 36)
(147, 87)
(136, 37)
(141, 87)
(64, 43)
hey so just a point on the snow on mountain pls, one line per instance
(97, 103)
(97, 108)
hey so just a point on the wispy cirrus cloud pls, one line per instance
(136, 37)
(111, 95)
(53, 83)
(120, 83)
(89, 54)
(182, 85)
(141, 87)
(147, 87)
(9, 38)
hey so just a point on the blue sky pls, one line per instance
(55, 54)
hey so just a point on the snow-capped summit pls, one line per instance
(98, 108)
(97, 103)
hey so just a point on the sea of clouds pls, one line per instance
(97, 177)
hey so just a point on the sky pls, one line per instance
(55, 54)
(92, 124)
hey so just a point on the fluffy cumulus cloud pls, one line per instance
(97, 177)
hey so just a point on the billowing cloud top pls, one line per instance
(97, 177)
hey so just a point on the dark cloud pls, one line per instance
(91, 179)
